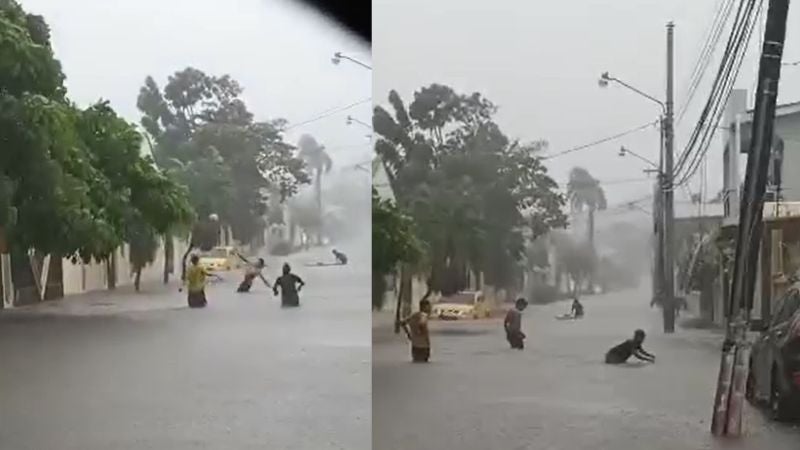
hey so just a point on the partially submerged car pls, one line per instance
(462, 305)
(221, 259)
(774, 378)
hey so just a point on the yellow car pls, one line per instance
(220, 259)
(463, 305)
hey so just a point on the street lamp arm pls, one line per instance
(624, 151)
(339, 55)
(607, 77)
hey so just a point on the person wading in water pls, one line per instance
(253, 271)
(513, 325)
(416, 328)
(290, 285)
(196, 277)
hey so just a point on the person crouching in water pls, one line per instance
(290, 285)
(631, 347)
(253, 271)
(577, 308)
(196, 277)
(341, 258)
(416, 328)
(513, 324)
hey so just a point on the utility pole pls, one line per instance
(668, 306)
(727, 416)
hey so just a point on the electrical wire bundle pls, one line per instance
(699, 142)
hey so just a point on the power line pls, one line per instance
(727, 73)
(328, 113)
(600, 141)
(721, 18)
(745, 32)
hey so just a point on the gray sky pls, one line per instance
(279, 52)
(540, 61)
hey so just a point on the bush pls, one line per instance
(282, 248)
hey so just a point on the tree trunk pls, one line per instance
(318, 194)
(403, 297)
(590, 278)
(111, 271)
(54, 285)
(378, 290)
(169, 256)
(137, 279)
(183, 261)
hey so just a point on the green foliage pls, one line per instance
(393, 236)
(73, 178)
(144, 242)
(469, 188)
(207, 138)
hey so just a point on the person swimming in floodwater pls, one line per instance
(577, 308)
(341, 258)
(250, 274)
(631, 347)
(513, 325)
(290, 285)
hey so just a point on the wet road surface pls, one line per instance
(478, 394)
(241, 374)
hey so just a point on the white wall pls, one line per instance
(80, 278)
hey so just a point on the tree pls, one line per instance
(205, 135)
(320, 162)
(393, 242)
(585, 192)
(470, 190)
(73, 179)
(577, 259)
(143, 241)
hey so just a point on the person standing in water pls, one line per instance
(290, 285)
(416, 328)
(513, 324)
(196, 277)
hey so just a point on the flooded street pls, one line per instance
(478, 394)
(241, 374)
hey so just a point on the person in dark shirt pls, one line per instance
(290, 285)
(513, 325)
(577, 308)
(632, 347)
(341, 258)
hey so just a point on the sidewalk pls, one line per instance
(152, 297)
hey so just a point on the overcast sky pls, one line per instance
(279, 52)
(540, 62)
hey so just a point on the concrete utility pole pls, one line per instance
(668, 306)
(728, 402)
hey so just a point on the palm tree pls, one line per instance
(584, 192)
(319, 161)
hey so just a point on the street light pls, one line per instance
(351, 120)
(605, 79)
(624, 151)
(339, 56)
